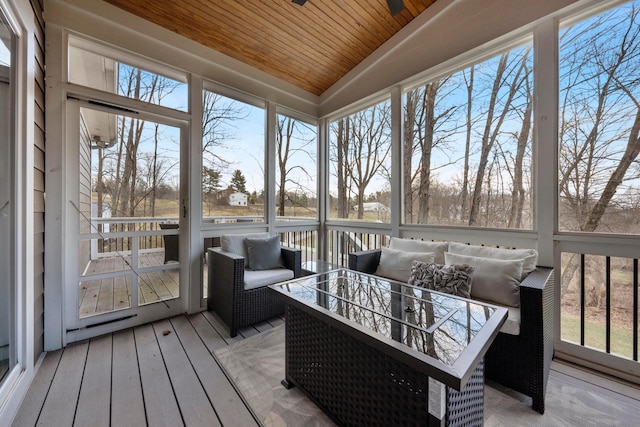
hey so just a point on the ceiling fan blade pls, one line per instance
(395, 6)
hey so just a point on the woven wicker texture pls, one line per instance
(466, 407)
(520, 362)
(357, 385)
(227, 297)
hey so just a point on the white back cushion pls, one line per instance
(437, 248)
(396, 265)
(530, 256)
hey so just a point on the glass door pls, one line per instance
(128, 214)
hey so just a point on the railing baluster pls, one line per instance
(608, 302)
(582, 299)
(635, 309)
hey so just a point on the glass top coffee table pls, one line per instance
(372, 350)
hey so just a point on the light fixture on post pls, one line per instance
(97, 142)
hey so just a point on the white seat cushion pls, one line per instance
(258, 278)
(512, 324)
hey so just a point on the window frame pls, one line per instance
(455, 65)
(280, 110)
(252, 101)
(372, 101)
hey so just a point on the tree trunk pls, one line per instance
(490, 135)
(428, 102)
(283, 141)
(467, 147)
(407, 155)
(342, 151)
(517, 192)
(629, 157)
(154, 175)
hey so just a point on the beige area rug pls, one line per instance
(256, 366)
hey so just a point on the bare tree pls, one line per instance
(369, 148)
(219, 116)
(432, 132)
(340, 158)
(427, 122)
(290, 142)
(410, 113)
(137, 84)
(467, 143)
(518, 192)
(432, 127)
(360, 149)
(492, 130)
(600, 120)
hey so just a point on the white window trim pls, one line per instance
(20, 17)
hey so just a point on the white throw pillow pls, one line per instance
(530, 256)
(411, 245)
(494, 280)
(396, 265)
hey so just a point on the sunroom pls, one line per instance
(509, 124)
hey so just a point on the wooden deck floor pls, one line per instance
(163, 374)
(141, 376)
(103, 296)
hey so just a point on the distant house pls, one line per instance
(373, 207)
(238, 199)
(232, 197)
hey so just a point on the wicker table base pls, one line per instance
(355, 384)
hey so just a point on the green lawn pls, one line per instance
(595, 335)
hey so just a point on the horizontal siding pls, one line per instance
(38, 201)
(38, 138)
(38, 222)
(39, 179)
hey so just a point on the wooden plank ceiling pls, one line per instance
(310, 46)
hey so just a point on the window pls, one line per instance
(599, 176)
(296, 169)
(467, 145)
(108, 70)
(233, 143)
(360, 165)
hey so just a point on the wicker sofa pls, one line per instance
(518, 361)
(240, 296)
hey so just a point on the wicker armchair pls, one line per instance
(520, 362)
(239, 307)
